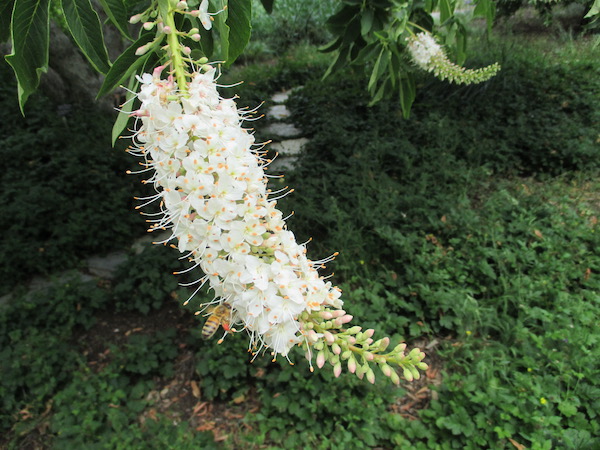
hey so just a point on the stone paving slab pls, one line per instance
(282, 131)
(289, 147)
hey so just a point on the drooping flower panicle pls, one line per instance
(427, 54)
(210, 180)
(213, 188)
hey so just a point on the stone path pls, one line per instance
(288, 141)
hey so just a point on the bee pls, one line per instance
(218, 316)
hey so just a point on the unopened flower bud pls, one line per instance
(330, 338)
(416, 374)
(369, 333)
(395, 378)
(339, 321)
(371, 376)
(182, 5)
(400, 348)
(142, 50)
(166, 29)
(320, 359)
(336, 349)
(415, 353)
(422, 366)
(369, 356)
(136, 18)
(351, 365)
(386, 370)
(354, 330)
(148, 25)
(326, 315)
(186, 50)
(383, 343)
(338, 313)
(407, 374)
(347, 354)
(203, 60)
(337, 369)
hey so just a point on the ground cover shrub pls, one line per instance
(62, 199)
(500, 270)
(35, 337)
(145, 281)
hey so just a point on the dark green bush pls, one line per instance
(64, 190)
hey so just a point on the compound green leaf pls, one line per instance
(30, 39)
(239, 13)
(6, 9)
(86, 29)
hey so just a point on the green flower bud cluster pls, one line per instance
(355, 349)
(444, 69)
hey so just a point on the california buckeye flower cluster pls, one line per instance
(210, 179)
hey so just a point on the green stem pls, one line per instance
(175, 50)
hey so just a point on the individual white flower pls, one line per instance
(204, 15)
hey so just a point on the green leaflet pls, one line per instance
(125, 65)
(85, 27)
(126, 108)
(238, 20)
(6, 9)
(220, 30)
(30, 39)
(117, 13)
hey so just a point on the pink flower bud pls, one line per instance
(195, 37)
(182, 5)
(166, 29)
(369, 356)
(387, 370)
(326, 315)
(343, 319)
(371, 376)
(338, 313)
(337, 370)
(352, 365)
(148, 25)
(320, 359)
(186, 50)
(143, 49)
(156, 73)
(330, 338)
(384, 343)
(336, 349)
(136, 18)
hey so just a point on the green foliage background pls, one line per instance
(472, 225)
